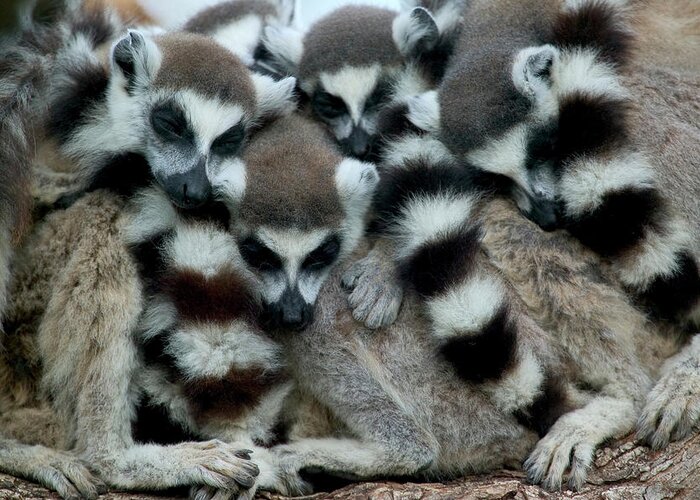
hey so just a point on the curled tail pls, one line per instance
(427, 205)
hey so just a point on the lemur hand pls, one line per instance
(376, 292)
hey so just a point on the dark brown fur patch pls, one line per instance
(221, 298)
(672, 297)
(217, 16)
(200, 64)
(487, 355)
(546, 409)
(620, 221)
(232, 395)
(596, 25)
(591, 124)
(354, 35)
(439, 265)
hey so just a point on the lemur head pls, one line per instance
(187, 104)
(523, 112)
(238, 24)
(300, 209)
(349, 64)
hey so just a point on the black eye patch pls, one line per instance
(258, 255)
(323, 256)
(379, 96)
(327, 105)
(169, 123)
(229, 143)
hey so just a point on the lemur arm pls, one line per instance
(53, 469)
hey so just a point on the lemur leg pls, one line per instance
(344, 457)
(376, 292)
(90, 357)
(573, 439)
(338, 371)
(673, 406)
(56, 470)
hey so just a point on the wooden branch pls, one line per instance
(624, 471)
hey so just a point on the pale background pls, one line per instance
(172, 13)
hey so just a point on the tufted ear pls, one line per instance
(274, 97)
(230, 181)
(136, 59)
(532, 71)
(356, 182)
(415, 32)
(286, 10)
(283, 47)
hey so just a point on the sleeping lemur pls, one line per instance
(357, 58)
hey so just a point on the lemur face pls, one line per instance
(353, 62)
(545, 112)
(300, 209)
(291, 266)
(348, 102)
(191, 103)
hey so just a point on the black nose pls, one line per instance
(357, 143)
(189, 190)
(545, 213)
(291, 312)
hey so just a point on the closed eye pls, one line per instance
(323, 256)
(379, 96)
(169, 122)
(258, 255)
(327, 105)
(229, 143)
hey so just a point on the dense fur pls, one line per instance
(238, 24)
(357, 59)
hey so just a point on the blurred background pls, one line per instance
(171, 13)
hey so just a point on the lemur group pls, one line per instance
(451, 239)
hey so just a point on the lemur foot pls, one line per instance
(209, 493)
(274, 477)
(62, 473)
(673, 406)
(564, 447)
(376, 292)
(218, 465)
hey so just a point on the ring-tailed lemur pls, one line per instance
(23, 82)
(553, 121)
(238, 24)
(174, 107)
(355, 59)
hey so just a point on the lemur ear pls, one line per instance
(415, 32)
(284, 47)
(136, 58)
(274, 97)
(356, 182)
(532, 70)
(424, 111)
(286, 11)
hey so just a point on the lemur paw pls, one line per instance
(219, 465)
(64, 473)
(376, 292)
(561, 449)
(289, 481)
(673, 406)
(209, 493)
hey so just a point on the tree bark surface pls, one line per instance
(624, 471)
